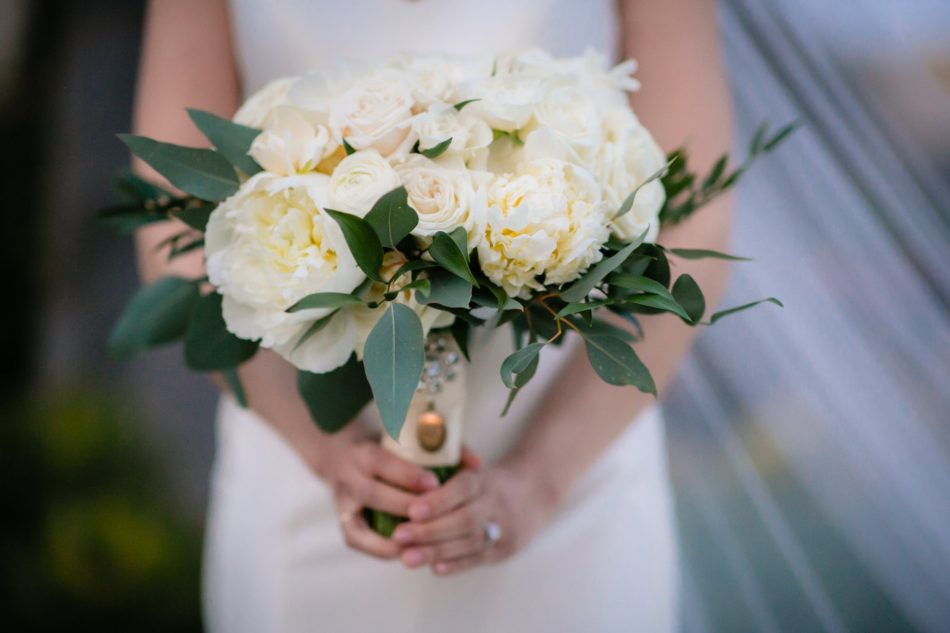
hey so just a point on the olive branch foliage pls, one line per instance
(632, 279)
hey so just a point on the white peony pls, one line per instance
(547, 220)
(441, 193)
(505, 101)
(268, 246)
(257, 111)
(571, 115)
(359, 181)
(374, 113)
(292, 143)
(627, 157)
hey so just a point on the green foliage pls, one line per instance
(208, 344)
(334, 398)
(685, 193)
(582, 287)
(461, 104)
(392, 218)
(448, 290)
(232, 140)
(447, 252)
(722, 313)
(687, 294)
(201, 172)
(700, 253)
(325, 300)
(393, 357)
(363, 242)
(156, 315)
(436, 150)
(616, 363)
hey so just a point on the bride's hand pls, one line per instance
(447, 526)
(364, 474)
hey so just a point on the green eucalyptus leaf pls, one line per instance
(334, 398)
(627, 204)
(208, 343)
(700, 253)
(362, 241)
(196, 216)
(517, 363)
(393, 358)
(617, 364)
(588, 306)
(638, 283)
(461, 104)
(157, 314)
(315, 327)
(232, 140)
(448, 290)
(461, 330)
(126, 218)
(234, 383)
(392, 218)
(436, 150)
(780, 136)
(413, 265)
(715, 173)
(660, 302)
(688, 294)
(325, 300)
(582, 287)
(137, 189)
(722, 313)
(445, 250)
(347, 148)
(201, 172)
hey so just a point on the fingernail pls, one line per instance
(429, 481)
(441, 568)
(412, 557)
(402, 535)
(419, 512)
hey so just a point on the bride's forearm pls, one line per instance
(684, 99)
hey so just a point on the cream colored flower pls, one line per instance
(470, 135)
(257, 111)
(374, 113)
(546, 221)
(627, 157)
(359, 181)
(441, 194)
(270, 245)
(292, 143)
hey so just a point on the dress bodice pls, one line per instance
(275, 38)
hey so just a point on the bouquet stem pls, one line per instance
(384, 523)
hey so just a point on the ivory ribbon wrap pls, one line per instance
(449, 402)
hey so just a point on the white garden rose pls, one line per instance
(257, 111)
(627, 158)
(359, 181)
(441, 193)
(292, 143)
(547, 220)
(374, 113)
(470, 135)
(268, 246)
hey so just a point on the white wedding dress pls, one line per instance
(275, 560)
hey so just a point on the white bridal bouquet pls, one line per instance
(360, 223)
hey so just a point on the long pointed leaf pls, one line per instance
(722, 313)
(393, 359)
(201, 172)
(232, 140)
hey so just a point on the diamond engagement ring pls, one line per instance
(492, 532)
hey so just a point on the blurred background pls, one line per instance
(810, 446)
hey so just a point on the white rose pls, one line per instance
(292, 143)
(627, 157)
(257, 110)
(470, 135)
(359, 181)
(268, 246)
(548, 220)
(441, 194)
(374, 113)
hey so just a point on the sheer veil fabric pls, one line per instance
(275, 558)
